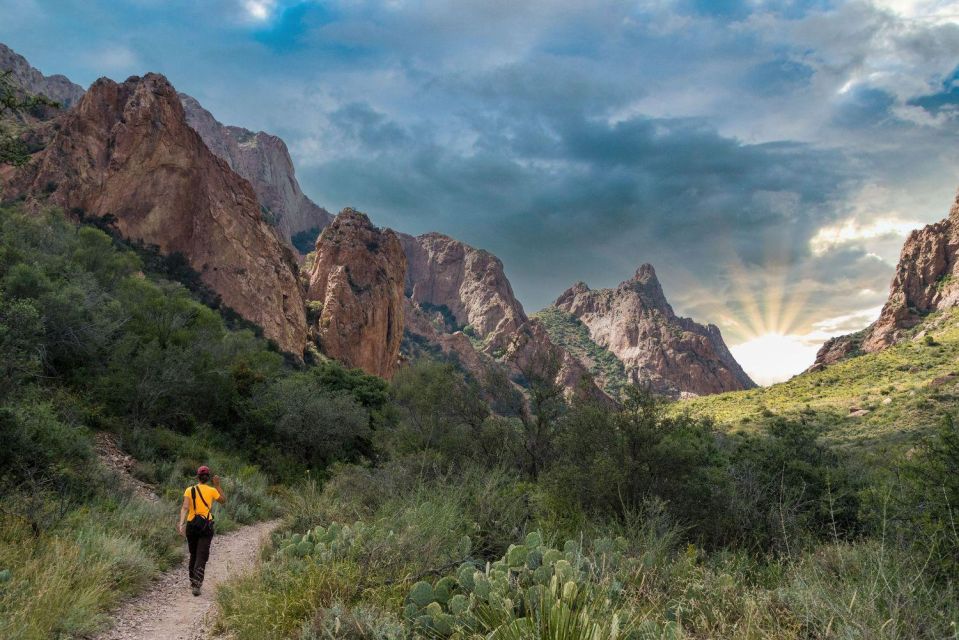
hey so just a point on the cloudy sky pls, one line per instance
(767, 157)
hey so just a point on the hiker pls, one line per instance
(197, 514)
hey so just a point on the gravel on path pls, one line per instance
(168, 611)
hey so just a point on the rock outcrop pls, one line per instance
(56, 87)
(453, 289)
(926, 280)
(532, 350)
(264, 160)
(469, 283)
(836, 349)
(126, 151)
(671, 355)
(355, 294)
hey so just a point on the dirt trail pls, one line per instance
(168, 611)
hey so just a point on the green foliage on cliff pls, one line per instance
(305, 241)
(14, 101)
(567, 331)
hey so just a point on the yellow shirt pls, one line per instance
(209, 494)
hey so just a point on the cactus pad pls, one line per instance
(421, 594)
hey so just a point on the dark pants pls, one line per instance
(199, 554)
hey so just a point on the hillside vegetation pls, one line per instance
(568, 331)
(436, 505)
(893, 396)
(95, 336)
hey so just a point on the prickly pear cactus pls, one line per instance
(422, 594)
(323, 544)
(531, 579)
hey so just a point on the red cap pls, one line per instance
(203, 470)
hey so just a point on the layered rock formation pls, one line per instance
(468, 282)
(669, 354)
(356, 294)
(56, 87)
(531, 349)
(264, 160)
(926, 280)
(126, 150)
(453, 289)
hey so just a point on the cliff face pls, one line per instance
(264, 160)
(356, 294)
(670, 354)
(926, 280)
(126, 150)
(55, 87)
(452, 288)
(469, 282)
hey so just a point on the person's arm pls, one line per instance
(184, 509)
(216, 485)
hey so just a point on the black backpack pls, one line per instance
(201, 524)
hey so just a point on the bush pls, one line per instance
(789, 485)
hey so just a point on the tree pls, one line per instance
(545, 406)
(315, 426)
(439, 410)
(21, 342)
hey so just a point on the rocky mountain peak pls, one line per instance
(264, 160)
(926, 280)
(126, 150)
(645, 273)
(459, 299)
(647, 285)
(355, 294)
(469, 283)
(671, 355)
(56, 87)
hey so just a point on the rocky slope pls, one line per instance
(126, 150)
(264, 160)
(672, 355)
(926, 280)
(469, 283)
(567, 331)
(453, 289)
(31, 80)
(355, 294)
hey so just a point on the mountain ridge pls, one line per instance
(926, 280)
(126, 153)
(57, 87)
(669, 354)
(173, 159)
(264, 160)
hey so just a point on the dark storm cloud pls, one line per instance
(864, 107)
(571, 185)
(777, 77)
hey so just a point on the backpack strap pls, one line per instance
(193, 492)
